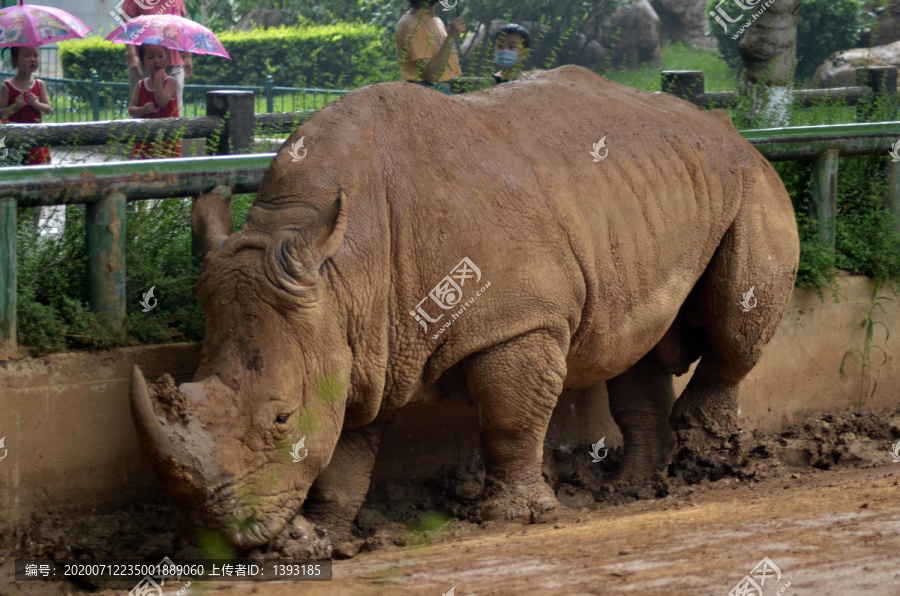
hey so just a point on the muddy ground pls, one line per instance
(821, 500)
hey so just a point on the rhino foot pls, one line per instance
(532, 503)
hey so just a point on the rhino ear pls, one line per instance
(329, 231)
(297, 257)
(211, 218)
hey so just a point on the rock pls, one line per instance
(840, 69)
(638, 42)
(685, 21)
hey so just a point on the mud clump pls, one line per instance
(172, 403)
(833, 441)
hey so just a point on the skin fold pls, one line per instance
(623, 270)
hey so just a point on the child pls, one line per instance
(23, 98)
(154, 97)
(512, 44)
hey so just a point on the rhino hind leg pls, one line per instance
(516, 385)
(760, 250)
(640, 400)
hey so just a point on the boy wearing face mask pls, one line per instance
(425, 49)
(512, 45)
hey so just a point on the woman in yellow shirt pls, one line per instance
(425, 50)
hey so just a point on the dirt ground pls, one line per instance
(821, 500)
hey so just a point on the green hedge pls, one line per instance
(341, 55)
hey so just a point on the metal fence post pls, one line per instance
(883, 81)
(686, 84)
(270, 94)
(105, 227)
(236, 108)
(95, 94)
(824, 195)
(7, 274)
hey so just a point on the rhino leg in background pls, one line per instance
(339, 491)
(759, 250)
(516, 385)
(640, 401)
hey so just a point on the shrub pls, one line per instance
(825, 27)
(343, 54)
(52, 310)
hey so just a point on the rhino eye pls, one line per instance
(282, 418)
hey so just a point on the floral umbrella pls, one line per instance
(33, 25)
(171, 31)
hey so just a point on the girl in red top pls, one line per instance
(154, 97)
(23, 98)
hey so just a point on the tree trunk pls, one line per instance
(769, 52)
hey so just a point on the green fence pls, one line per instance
(105, 188)
(94, 100)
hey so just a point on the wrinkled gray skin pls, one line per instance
(623, 270)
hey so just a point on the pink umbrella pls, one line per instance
(171, 31)
(33, 25)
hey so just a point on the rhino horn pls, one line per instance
(180, 451)
(296, 257)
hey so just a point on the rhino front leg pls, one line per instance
(516, 386)
(640, 400)
(337, 494)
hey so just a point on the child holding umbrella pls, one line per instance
(24, 98)
(155, 97)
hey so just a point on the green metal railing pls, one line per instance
(105, 188)
(83, 101)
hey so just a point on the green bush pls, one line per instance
(866, 241)
(340, 55)
(53, 312)
(825, 27)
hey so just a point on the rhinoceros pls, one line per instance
(501, 246)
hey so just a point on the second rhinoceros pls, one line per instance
(482, 237)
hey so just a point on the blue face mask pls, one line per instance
(506, 58)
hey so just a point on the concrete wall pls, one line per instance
(71, 442)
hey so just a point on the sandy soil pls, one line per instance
(828, 532)
(830, 524)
